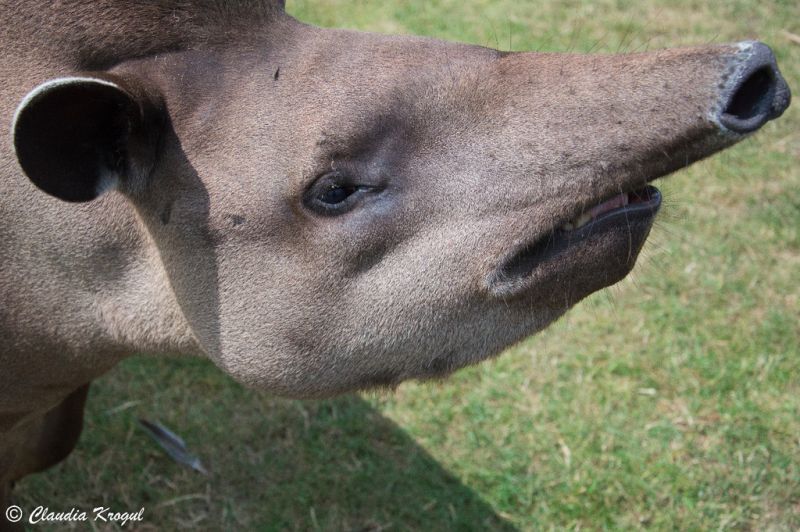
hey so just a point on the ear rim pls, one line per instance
(40, 89)
(136, 112)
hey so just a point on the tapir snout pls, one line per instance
(744, 91)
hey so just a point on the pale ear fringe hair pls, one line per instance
(47, 85)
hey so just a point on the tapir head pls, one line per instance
(338, 210)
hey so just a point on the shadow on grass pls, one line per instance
(275, 464)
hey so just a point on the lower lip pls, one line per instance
(644, 199)
(642, 204)
(648, 198)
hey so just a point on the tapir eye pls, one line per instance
(337, 194)
(334, 194)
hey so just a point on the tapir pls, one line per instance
(314, 210)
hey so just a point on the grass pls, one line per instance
(670, 401)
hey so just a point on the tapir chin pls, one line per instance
(316, 210)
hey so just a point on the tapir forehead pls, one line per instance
(294, 110)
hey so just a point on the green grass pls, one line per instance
(670, 401)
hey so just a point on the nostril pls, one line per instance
(753, 97)
(755, 93)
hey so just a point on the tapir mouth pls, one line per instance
(644, 201)
(632, 212)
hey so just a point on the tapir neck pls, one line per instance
(74, 306)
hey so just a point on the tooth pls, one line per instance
(582, 220)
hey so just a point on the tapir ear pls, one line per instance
(76, 137)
